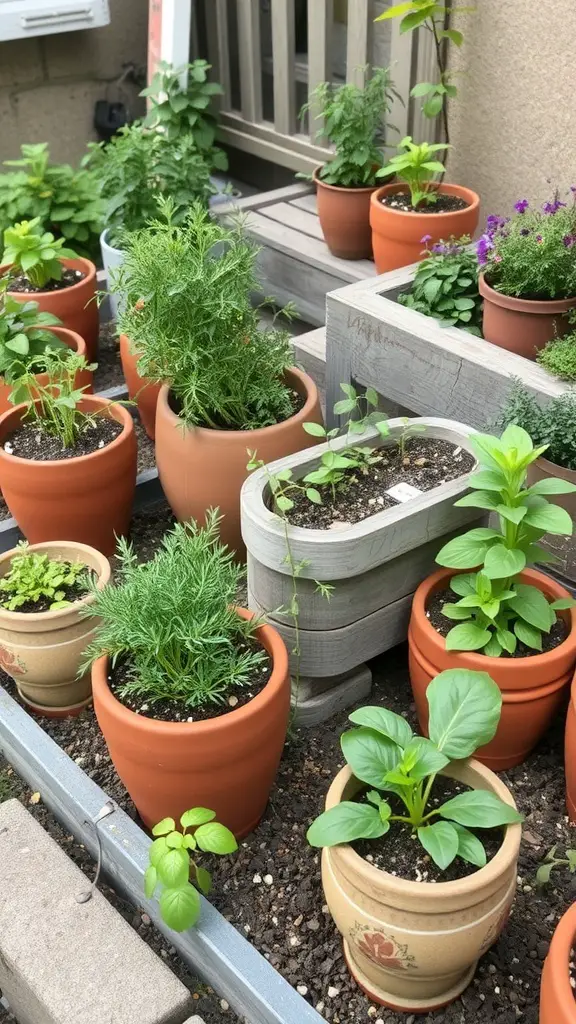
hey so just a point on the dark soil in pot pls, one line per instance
(28, 442)
(68, 279)
(442, 624)
(445, 203)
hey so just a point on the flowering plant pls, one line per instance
(532, 255)
(445, 285)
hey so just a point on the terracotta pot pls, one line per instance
(523, 326)
(557, 1005)
(397, 234)
(82, 379)
(86, 499)
(564, 548)
(75, 306)
(227, 763)
(345, 219)
(43, 651)
(140, 389)
(200, 468)
(570, 754)
(414, 946)
(533, 688)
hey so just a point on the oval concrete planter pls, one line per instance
(43, 651)
(414, 946)
(112, 260)
(523, 326)
(557, 1004)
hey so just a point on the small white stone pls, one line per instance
(298, 920)
(333, 992)
(247, 928)
(268, 880)
(100, 444)
(257, 879)
(274, 920)
(232, 701)
(190, 719)
(294, 941)
(8, 448)
(319, 1006)
(302, 990)
(224, 1005)
(497, 989)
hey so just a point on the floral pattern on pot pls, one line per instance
(11, 663)
(381, 949)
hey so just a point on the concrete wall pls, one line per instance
(514, 123)
(49, 84)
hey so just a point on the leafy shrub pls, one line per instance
(559, 355)
(446, 286)
(34, 253)
(54, 407)
(33, 575)
(552, 425)
(179, 111)
(24, 339)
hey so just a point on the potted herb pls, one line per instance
(44, 595)
(413, 935)
(39, 266)
(502, 618)
(445, 285)
(67, 459)
(228, 385)
(557, 1005)
(191, 693)
(352, 120)
(528, 279)
(559, 354)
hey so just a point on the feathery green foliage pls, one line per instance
(54, 407)
(553, 424)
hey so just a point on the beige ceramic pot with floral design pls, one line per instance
(414, 945)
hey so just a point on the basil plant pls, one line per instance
(495, 609)
(384, 753)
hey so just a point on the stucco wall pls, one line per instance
(49, 84)
(514, 123)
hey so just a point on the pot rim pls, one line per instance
(446, 188)
(123, 417)
(558, 958)
(555, 469)
(87, 265)
(269, 638)
(519, 305)
(435, 891)
(53, 617)
(78, 345)
(308, 386)
(339, 188)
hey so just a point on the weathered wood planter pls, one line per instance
(374, 567)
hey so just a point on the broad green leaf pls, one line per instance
(398, 10)
(543, 874)
(518, 438)
(370, 755)
(345, 823)
(174, 840)
(371, 397)
(453, 35)
(189, 842)
(314, 429)
(173, 868)
(412, 21)
(551, 519)
(465, 710)
(157, 850)
(180, 907)
(493, 648)
(19, 343)
(478, 808)
(469, 847)
(488, 479)
(501, 562)
(150, 881)
(456, 612)
(440, 841)
(513, 515)
(488, 450)
(385, 722)
(479, 499)
(196, 816)
(345, 405)
(429, 760)
(374, 797)
(563, 603)
(528, 634)
(164, 827)
(552, 485)
(203, 880)
(531, 604)
(506, 639)
(422, 88)
(464, 584)
(468, 550)
(467, 636)
(215, 838)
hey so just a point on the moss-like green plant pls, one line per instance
(552, 425)
(559, 357)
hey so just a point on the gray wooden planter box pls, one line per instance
(374, 567)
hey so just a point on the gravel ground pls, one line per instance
(109, 372)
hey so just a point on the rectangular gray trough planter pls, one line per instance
(214, 950)
(374, 567)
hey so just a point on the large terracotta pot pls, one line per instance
(76, 306)
(86, 499)
(414, 946)
(523, 326)
(345, 219)
(557, 1004)
(533, 688)
(397, 234)
(564, 548)
(83, 378)
(227, 763)
(43, 651)
(570, 754)
(140, 389)
(200, 468)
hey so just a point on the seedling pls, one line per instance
(34, 253)
(54, 406)
(33, 575)
(416, 165)
(551, 861)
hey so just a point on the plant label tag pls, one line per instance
(403, 492)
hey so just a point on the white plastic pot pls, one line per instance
(112, 259)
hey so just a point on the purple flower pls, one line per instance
(425, 239)
(521, 206)
(569, 240)
(538, 238)
(552, 208)
(483, 247)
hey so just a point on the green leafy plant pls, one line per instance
(172, 620)
(178, 111)
(188, 297)
(24, 339)
(552, 425)
(353, 122)
(496, 610)
(559, 356)
(34, 253)
(66, 200)
(54, 407)
(445, 286)
(171, 863)
(551, 861)
(415, 165)
(33, 576)
(384, 754)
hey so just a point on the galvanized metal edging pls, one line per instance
(214, 950)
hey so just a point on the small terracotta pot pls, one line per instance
(557, 1004)
(86, 499)
(201, 469)
(43, 651)
(140, 389)
(76, 306)
(345, 219)
(523, 326)
(82, 379)
(397, 234)
(414, 946)
(533, 688)
(227, 763)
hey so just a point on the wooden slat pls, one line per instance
(250, 59)
(309, 250)
(218, 47)
(320, 21)
(264, 199)
(424, 129)
(292, 217)
(358, 40)
(283, 55)
(308, 203)
(293, 151)
(401, 68)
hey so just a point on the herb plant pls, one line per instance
(172, 620)
(171, 862)
(416, 166)
(559, 356)
(496, 610)
(24, 339)
(34, 253)
(353, 121)
(384, 754)
(552, 425)
(177, 111)
(551, 861)
(33, 576)
(54, 407)
(445, 286)
(188, 297)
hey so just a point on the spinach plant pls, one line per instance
(384, 753)
(33, 575)
(24, 339)
(445, 286)
(416, 166)
(34, 253)
(178, 111)
(54, 407)
(172, 863)
(496, 610)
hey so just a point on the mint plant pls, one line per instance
(54, 406)
(177, 112)
(34, 253)
(384, 754)
(496, 610)
(445, 286)
(33, 576)
(24, 340)
(172, 865)
(416, 166)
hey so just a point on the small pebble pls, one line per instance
(257, 879)
(333, 992)
(302, 990)
(232, 701)
(224, 1005)
(268, 880)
